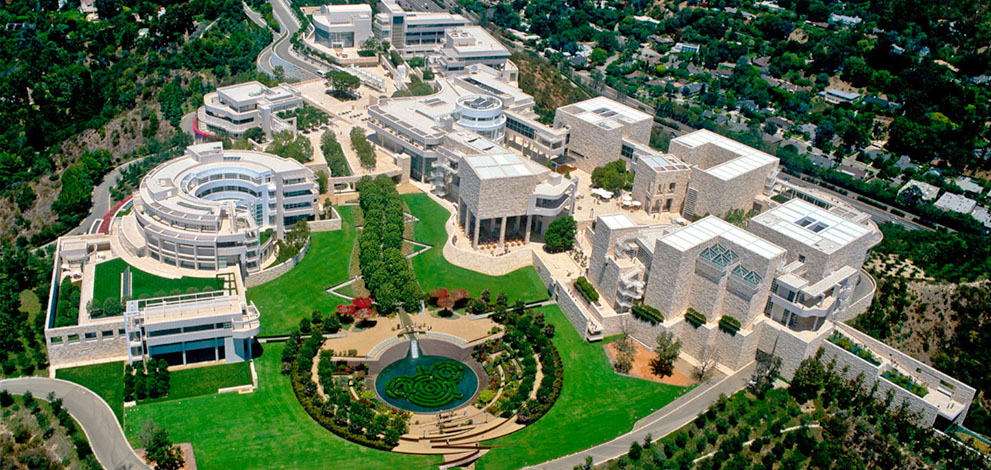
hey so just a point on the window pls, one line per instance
(801, 258)
(667, 204)
(90, 335)
(55, 340)
(167, 331)
(671, 187)
(107, 333)
(120, 331)
(626, 151)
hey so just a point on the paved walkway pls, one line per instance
(658, 424)
(93, 414)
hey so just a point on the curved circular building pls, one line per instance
(481, 114)
(213, 208)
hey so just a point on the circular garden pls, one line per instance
(426, 384)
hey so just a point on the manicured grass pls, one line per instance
(433, 271)
(282, 302)
(107, 282)
(106, 380)
(29, 304)
(267, 429)
(207, 380)
(595, 405)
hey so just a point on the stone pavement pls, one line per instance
(660, 423)
(93, 414)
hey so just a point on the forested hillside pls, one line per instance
(118, 77)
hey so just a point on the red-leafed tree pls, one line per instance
(362, 302)
(438, 293)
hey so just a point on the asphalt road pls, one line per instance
(879, 215)
(281, 46)
(93, 414)
(101, 200)
(658, 424)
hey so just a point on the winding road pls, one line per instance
(93, 414)
(281, 45)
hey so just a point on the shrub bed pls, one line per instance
(586, 289)
(729, 324)
(359, 421)
(905, 382)
(648, 314)
(694, 317)
(858, 350)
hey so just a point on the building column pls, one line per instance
(502, 232)
(474, 241)
(183, 353)
(250, 355)
(216, 353)
(526, 238)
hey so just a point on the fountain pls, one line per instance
(414, 349)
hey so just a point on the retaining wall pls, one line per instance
(271, 273)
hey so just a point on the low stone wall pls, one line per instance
(99, 348)
(571, 309)
(271, 273)
(326, 225)
(542, 270)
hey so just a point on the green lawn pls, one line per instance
(106, 380)
(433, 271)
(595, 405)
(107, 282)
(296, 294)
(199, 381)
(267, 429)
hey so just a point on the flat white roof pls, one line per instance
(247, 91)
(968, 185)
(663, 162)
(711, 227)
(812, 225)
(929, 192)
(606, 113)
(617, 221)
(748, 158)
(955, 203)
(470, 40)
(502, 165)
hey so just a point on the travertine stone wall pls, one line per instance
(500, 197)
(570, 307)
(675, 284)
(652, 188)
(271, 273)
(717, 196)
(83, 349)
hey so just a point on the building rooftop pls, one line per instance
(711, 227)
(606, 113)
(617, 221)
(248, 91)
(472, 41)
(955, 203)
(748, 158)
(812, 225)
(968, 185)
(503, 165)
(929, 192)
(661, 162)
(983, 215)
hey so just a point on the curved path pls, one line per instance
(93, 414)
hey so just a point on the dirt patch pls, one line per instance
(641, 366)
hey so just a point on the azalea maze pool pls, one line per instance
(426, 384)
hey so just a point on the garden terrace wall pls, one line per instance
(100, 348)
(571, 309)
(273, 272)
